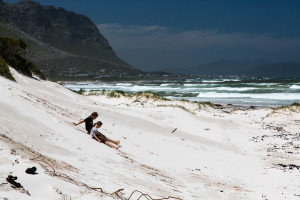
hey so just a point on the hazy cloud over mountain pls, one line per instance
(162, 46)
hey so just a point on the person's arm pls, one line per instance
(97, 137)
(81, 121)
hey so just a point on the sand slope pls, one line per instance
(213, 154)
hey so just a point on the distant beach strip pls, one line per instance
(241, 92)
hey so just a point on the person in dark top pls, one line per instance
(88, 122)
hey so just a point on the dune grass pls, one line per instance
(177, 106)
(293, 107)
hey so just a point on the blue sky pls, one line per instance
(157, 34)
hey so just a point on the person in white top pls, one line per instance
(95, 134)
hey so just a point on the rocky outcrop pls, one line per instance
(60, 28)
(72, 33)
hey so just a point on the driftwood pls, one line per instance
(290, 166)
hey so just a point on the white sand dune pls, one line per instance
(212, 154)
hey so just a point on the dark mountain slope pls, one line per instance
(60, 39)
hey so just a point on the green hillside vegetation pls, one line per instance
(4, 70)
(12, 51)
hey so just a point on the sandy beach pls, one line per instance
(170, 149)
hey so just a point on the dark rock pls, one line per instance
(31, 170)
(11, 180)
(218, 106)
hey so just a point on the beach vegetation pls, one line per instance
(291, 106)
(120, 93)
(96, 92)
(205, 103)
(176, 106)
(147, 95)
(236, 109)
(111, 94)
(184, 100)
(295, 104)
(116, 94)
(81, 91)
(4, 70)
(13, 51)
(294, 107)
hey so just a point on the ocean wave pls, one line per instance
(214, 90)
(212, 81)
(164, 84)
(263, 84)
(277, 96)
(235, 88)
(140, 88)
(234, 80)
(221, 80)
(124, 84)
(197, 85)
(295, 87)
(190, 85)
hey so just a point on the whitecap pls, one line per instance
(263, 84)
(212, 81)
(189, 84)
(234, 80)
(295, 87)
(164, 84)
(277, 96)
(124, 84)
(236, 89)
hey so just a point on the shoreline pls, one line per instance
(236, 93)
(156, 97)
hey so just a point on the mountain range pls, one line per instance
(61, 42)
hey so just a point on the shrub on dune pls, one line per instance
(12, 51)
(4, 70)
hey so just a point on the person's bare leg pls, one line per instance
(111, 145)
(113, 141)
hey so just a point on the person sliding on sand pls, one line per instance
(95, 134)
(88, 122)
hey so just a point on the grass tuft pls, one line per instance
(294, 107)
(177, 106)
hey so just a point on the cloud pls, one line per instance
(131, 30)
(158, 46)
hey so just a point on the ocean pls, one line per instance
(236, 91)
